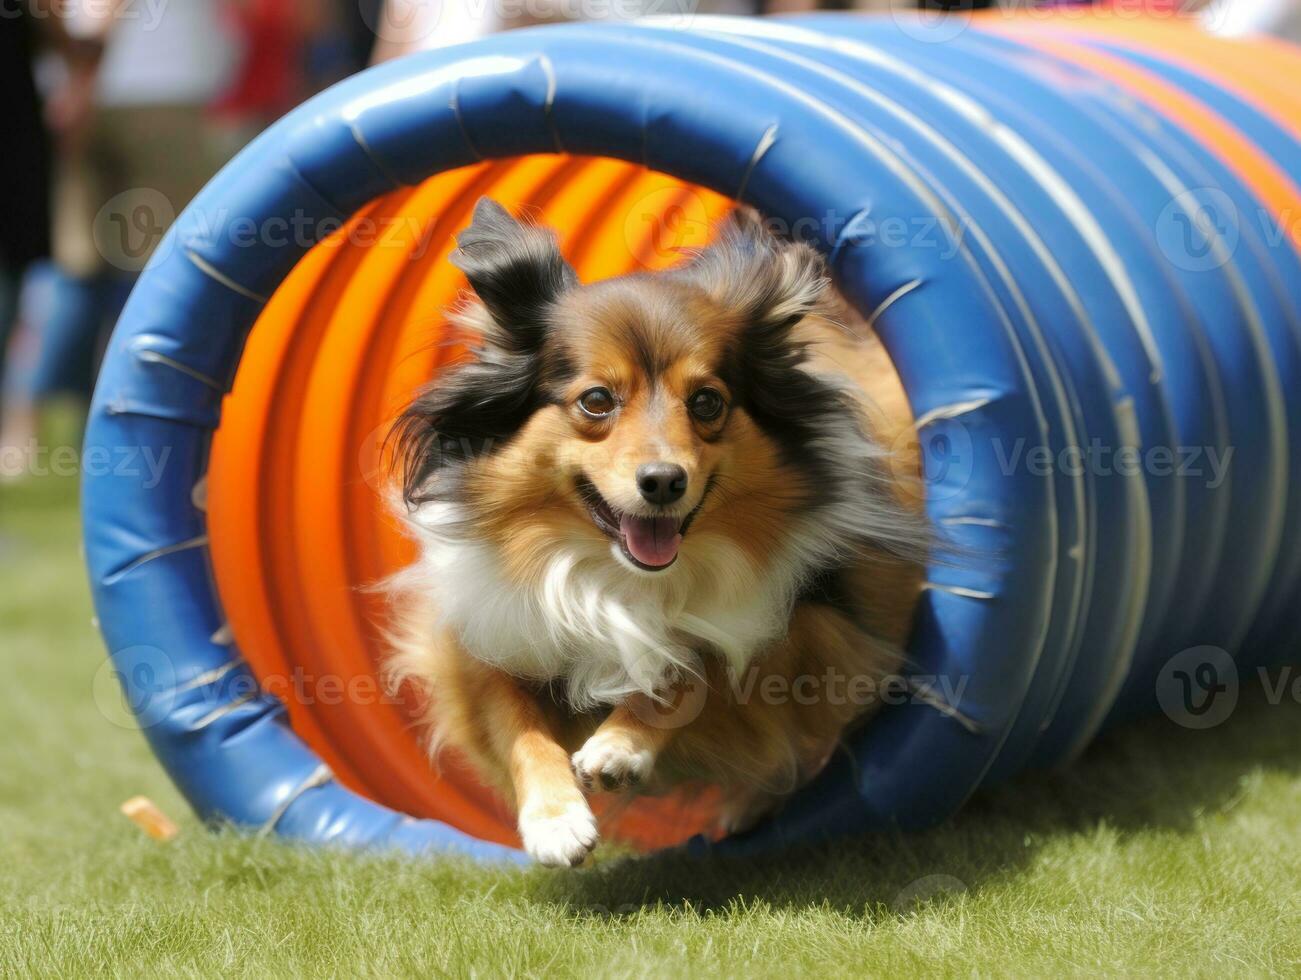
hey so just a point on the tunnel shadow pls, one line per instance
(1149, 774)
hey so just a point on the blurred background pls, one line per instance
(118, 111)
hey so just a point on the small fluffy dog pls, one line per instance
(649, 509)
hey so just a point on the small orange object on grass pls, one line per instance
(144, 813)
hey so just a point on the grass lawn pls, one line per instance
(1165, 851)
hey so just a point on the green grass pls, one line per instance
(1165, 851)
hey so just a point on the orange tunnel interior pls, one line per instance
(297, 485)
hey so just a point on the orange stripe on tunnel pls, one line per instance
(1274, 188)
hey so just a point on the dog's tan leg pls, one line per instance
(555, 822)
(742, 808)
(621, 753)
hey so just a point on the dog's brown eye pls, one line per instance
(596, 402)
(706, 404)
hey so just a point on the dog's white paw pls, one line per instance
(609, 761)
(559, 836)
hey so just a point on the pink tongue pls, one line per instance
(652, 541)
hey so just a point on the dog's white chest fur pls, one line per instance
(588, 620)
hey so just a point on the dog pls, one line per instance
(641, 506)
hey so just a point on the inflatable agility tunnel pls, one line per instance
(1078, 238)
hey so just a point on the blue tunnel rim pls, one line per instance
(510, 95)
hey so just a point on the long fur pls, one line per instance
(803, 509)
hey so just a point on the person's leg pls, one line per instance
(68, 318)
(21, 309)
(9, 285)
(68, 337)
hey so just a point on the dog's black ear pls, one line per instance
(474, 407)
(772, 282)
(469, 411)
(516, 270)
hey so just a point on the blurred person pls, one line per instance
(291, 49)
(268, 78)
(337, 39)
(404, 26)
(133, 146)
(24, 171)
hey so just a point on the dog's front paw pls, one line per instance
(559, 835)
(611, 761)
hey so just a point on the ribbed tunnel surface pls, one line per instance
(1078, 238)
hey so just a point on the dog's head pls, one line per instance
(637, 419)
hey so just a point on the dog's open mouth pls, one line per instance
(650, 543)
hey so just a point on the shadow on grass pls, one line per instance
(1151, 774)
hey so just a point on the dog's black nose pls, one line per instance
(661, 483)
